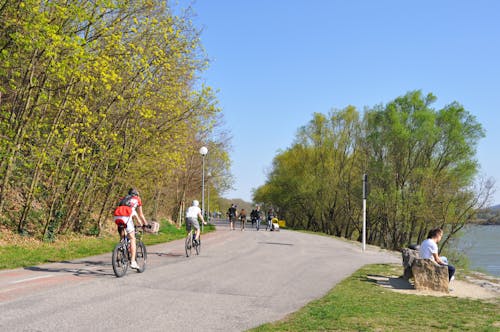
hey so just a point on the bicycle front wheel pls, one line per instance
(120, 260)
(189, 244)
(141, 256)
(198, 246)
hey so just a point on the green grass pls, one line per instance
(359, 304)
(34, 252)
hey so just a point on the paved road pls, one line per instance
(240, 280)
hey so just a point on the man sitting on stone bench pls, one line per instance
(429, 250)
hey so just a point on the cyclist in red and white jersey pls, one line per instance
(129, 207)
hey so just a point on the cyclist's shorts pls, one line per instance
(192, 222)
(126, 221)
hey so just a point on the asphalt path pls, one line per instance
(239, 281)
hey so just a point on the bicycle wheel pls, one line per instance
(189, 244)
(141, 256)
(120, 260)
(198, 246)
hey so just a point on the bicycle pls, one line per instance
(121, 259)
(190, 243)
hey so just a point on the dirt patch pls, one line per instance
(474, 286)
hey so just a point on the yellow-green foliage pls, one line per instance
(96, 97)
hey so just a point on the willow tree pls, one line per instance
(422, 167)
(313, 182)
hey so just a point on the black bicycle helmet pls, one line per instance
(133, 192)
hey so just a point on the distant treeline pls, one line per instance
(96, 97)
(420, 163)
(488, 216)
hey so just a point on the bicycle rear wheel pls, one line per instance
(189, 244)
(120, 260)
(141, 256)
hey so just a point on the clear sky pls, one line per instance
(276, 62)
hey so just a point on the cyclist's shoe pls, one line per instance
(134, 265)
(195, 242)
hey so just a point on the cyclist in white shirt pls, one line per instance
(192, 214)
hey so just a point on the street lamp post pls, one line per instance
(203, 152)
(365, 193)
(208, 197)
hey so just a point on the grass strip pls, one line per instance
(359, 304)
(35, 252)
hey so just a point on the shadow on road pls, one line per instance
(167, 254)
(277, 243)
(77, 268)
(90, 268)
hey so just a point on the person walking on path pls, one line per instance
(429, 250)
(231, 214)
(243, 218)
(256, 216)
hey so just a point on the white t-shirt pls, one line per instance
(428, 248)
(192, 212)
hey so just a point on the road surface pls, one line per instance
(239, 281)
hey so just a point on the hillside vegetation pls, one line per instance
(97, 97)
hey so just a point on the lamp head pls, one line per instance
(203, 150)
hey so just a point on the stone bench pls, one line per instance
(426, 274)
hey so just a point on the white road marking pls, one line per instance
(30, 279)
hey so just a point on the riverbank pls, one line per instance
(473, 285)
(369, 301)
(468, 283)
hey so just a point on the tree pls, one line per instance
(311, 183)
(96, 97)
(421, 166)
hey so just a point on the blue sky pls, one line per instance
(275, 63)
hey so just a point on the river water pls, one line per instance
(481, 245)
